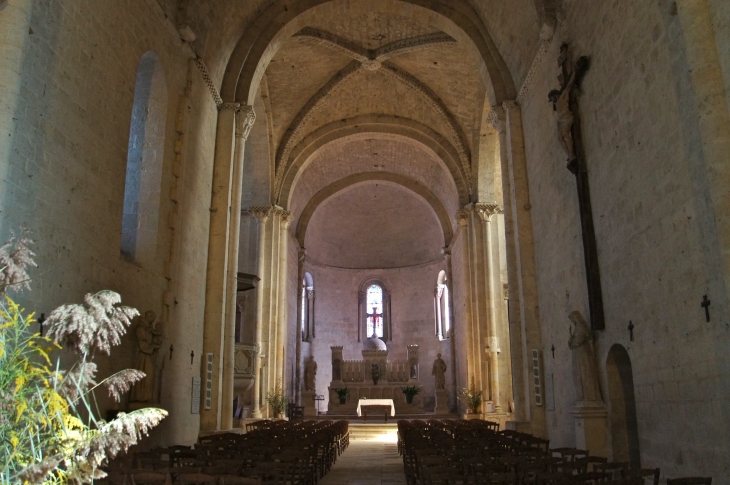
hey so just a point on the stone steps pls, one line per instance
(373, 432)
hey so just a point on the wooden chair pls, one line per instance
(236, 480)
(150, 478)
(644, 473)
(195, 479)
(690, 481)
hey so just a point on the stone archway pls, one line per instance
(622, 407)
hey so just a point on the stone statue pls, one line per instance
(149, 339)
(585, 375)
(310, 374)
(439, 371)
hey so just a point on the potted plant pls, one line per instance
(410, 391)
(471, 397)
(342, 393)
(375, 374)
(277, 400)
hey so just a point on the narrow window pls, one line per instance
(374, 307)
(441, 307)
(140, 214)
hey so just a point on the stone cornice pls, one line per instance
(317, 264)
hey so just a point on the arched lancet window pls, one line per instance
(441, 307)
(140, 215)
(374, 306)
(307, 308)
(374, 311)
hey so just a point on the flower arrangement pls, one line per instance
(50, 430)
(471, 397)
(410, 392)
(342, 393)
(277, 400)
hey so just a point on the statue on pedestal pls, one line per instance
(585, 374)
(310, 374)
(439, 372)
(149, 339)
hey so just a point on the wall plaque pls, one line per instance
(195, 401)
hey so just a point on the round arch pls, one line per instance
(342, 184)
(622, 406)
(372, 123)
(278, 22)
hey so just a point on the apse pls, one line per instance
(374, 225)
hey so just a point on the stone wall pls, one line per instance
(336, 309)
(67, 170)
(655, 237)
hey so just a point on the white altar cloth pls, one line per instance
(375, 402)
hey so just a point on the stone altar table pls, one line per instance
(378, 404)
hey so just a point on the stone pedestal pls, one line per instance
(310, 405)
(591, 429)
(442, 401)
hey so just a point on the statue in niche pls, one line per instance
(439, 372)
(310, 374)
(585, 374)
(414, 371)
(149, 340)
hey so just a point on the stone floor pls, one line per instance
(371, 462)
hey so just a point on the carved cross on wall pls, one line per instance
(706, 305)
(565, 103)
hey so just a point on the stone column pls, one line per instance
(245, 118)
(454, 384)
(521, 258)
(14, 27)
(299, 335)
(261, 214)
(215, 284)
(486, 212)
(311, 324)
(281, 321)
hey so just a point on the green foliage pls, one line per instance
(471, 397)
(49, 430)
(342, 391)
(277, 400)
(410, 390)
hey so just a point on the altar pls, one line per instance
(374, 378)
(386, 406)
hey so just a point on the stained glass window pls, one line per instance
(374, 308)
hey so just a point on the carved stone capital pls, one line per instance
(310, 295)
(446, 252)
(462, 216)
(510, 105)
(260, 213)
(245, 118)
(486, 211)
(496, 118)
(286, 218)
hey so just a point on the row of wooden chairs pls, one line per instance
(465, 452)
(273, 452)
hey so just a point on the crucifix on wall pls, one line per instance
(565, 104)
(375, 318)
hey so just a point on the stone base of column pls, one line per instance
(442, 401)
(310, 405)
(591, 428)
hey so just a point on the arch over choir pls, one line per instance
(282, 19)
(362, 310)
(305, 150)
(307, 302)
(145, 152)
(327, 192)
(442, 314)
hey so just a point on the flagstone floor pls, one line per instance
(369, 462)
